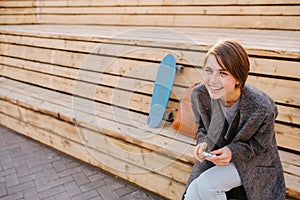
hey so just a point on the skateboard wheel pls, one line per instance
(179, 69)
(168, 116)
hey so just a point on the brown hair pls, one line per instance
(231, 56)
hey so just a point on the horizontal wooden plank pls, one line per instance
(112, 96)
(109, 120)
(59, 103)
(277, 88)
(124, 67)
(166, 187)
(291, 166)
(271, 43)
(294, 184)
(266, 84)
(280, 129)
(285, 134)
(15, 3)
(290, 162)
(286, 114)
(125, 151)
(18, 10)
(258, 65)
(281, 10)
(286, 91)
(17, 19)
(165, 3)
(175, 10)
(290, 158)
(288, 137)
(288, 168)
(140, 78)
(274, 67)
(245, 22)
(81, 152)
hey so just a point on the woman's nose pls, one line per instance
(215, 78)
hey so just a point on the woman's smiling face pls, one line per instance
(219, 82)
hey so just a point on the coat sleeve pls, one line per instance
(254, 141)
(201, 131)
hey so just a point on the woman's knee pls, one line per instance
(208, 188)
(206, 182)
(192, 191)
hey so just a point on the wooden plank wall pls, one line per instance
(18, 12)
(267, 73)
(265, 14)
(43, 56)
(100, 55)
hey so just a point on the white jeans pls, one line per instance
(213, 183)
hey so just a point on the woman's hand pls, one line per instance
(223, 158)
(199, 149)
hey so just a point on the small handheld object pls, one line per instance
(208, 155)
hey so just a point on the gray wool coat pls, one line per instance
(250, 137)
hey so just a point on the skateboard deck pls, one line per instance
(162, 90)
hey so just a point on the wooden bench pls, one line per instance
(86, 89)
(43, 72)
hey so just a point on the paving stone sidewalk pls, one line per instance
(32, 171)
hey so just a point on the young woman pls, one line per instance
(236, 126)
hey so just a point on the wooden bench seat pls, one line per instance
(48, 116)
(78, 75)
(88, 94)
(114, 145)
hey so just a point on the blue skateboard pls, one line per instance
(162, 90)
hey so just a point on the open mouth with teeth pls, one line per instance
(216, 88)
(215, 91)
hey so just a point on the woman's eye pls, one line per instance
(223, 74)
(208, 70)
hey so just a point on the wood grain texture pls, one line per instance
(78, 75)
